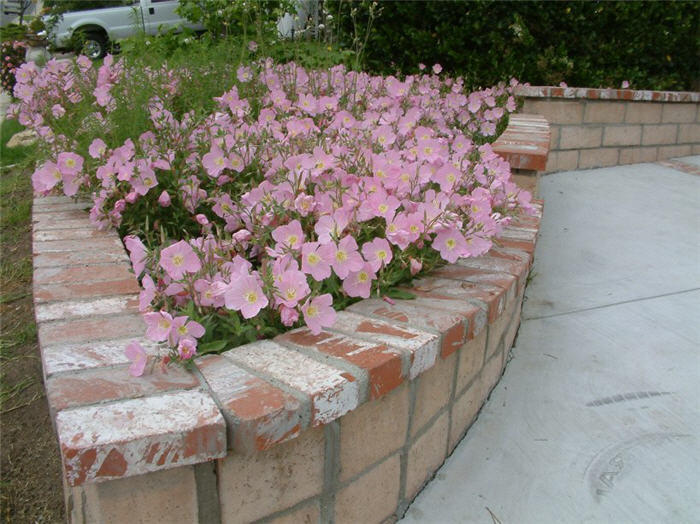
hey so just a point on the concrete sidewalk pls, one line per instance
(597, 418)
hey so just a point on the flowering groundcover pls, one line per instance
(300, 192)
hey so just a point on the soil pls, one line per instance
(31, 488)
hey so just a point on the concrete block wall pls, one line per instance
(606, 127)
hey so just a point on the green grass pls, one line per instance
(16, 155)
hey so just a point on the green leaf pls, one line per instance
(211, 347)
(400, 294)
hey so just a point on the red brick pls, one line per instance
(80, 258)
(50, 235)
(118, 305)
(137, 436)
(477, 276)
(103, 242)
(333, 391)
(48, 293)
(421, 347)
(68, 390)
(88, 330)
(422, 313)
(497, 264)
(381, 362)
(84, 273)
(258, 414)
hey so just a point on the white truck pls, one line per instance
(97, 27)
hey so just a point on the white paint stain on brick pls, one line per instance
(85, 308)
(520, 233)
(331, 392)
(88, 355)
(60, 246)
(423, 346)
(147, 434)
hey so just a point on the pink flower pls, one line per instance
(292, 288)
(187, 348)
(316, 260)
(625, 84)
(147, 294)
(215, 161)
(319, 313)
(244, 294)
(181, 328)
(437, 69)
(415, 265)
(359, 283)
(97, 148)
(346, 258)
(46, 177)
(450, 243)
(289, 236)
(135, 352)
(69, 164)
(158, 325)
(164, 199)
(179, 259)
(288, 315)
(377, 253)
(58, 111)
(252, 46)
(137, 253)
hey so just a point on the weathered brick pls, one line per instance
(490, 375)
(86, 308)
(562, 161)
(61, 220)
(423, 347)
(51, 235)
(470, 361)
(41, 207)
(628, 135)
(422, 313)
(433, 391)
(604, 112)
(333, 391)
(659, 134)
(251, 488)
(80, 258)
(495, 264)
(58, 358)
(497, 329)
(579, 137)
(82, 289)
(490, 298)
(90, 329)
(689, 133)
(82, 274)
(505, 281)
(115, 383)
(637, 155)
(164, 431)
(381, 363)
(258, 414)
(591, 158)
(373, 431)
(678, 113)
(426, 455)
(101, 243)
(643, 113)
(371, 498)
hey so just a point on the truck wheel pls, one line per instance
(94, 45)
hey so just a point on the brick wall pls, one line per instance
(606, 127)
(298, 428)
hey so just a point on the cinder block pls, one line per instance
(307, 514)
(689, 133)
(674, 151)
(628, 135)
(371, 498)
(464, 410)
(426, 455)
(603, 157)
(556, 111)
(579, 137)
(471, 358)
(636, 155)
(643, 113)
(678, 113)
(373, 431)
(659, 134)
(433, 391)
(252, 487)
(604, 112)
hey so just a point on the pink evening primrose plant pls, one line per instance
(301, 192)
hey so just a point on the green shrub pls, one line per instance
(653, 45)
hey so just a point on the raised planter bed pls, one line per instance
(345, 426)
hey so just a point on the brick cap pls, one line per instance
(607, 94)
(525, 142)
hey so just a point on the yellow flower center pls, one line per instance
(182, 330)
(381, 254)
(164, 323)
(70, 162)
(451, 243)
(383, 208)
(362, 277)
(292, 239)
(311, 311)
(251, 297)
(178, 260)
(219, 161)
(313, 259)
(341, 256)
(291, 293)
